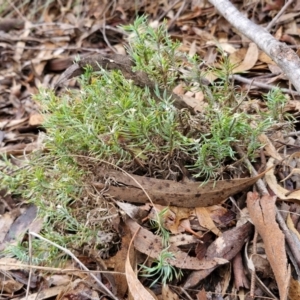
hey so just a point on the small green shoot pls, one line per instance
(157, 224)
(162, 270)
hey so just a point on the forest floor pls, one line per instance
(231, 247)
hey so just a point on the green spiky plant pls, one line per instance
(161, 270)
(110, 119)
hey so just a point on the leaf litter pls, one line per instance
(34, 53)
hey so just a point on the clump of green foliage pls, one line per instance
(110, 119)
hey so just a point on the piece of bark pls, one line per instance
(240, 279)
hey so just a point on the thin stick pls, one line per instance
(68, 252)
(261, 85)
(60, 270)
(283, 9)
(253, 272)
(177, 15)
(30, 268)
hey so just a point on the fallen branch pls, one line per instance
(282, 55)
(256, 83)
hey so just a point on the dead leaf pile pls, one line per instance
(226, 242)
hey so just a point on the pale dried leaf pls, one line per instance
(205, 220)
(137, 290)
(9, 263)
(36, 119)
(269, 147)
(294, 291)
(263, 215)
(291, 226)
(167, 293)
(279, 191)
(249, 60)
(47, 293)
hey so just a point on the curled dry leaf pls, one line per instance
(175, 219)
(167, 293)
(205, 220)
(279, 191)
(137, 290)
(269, 147)
(240, 279)
(263, 215)
(201, 295)
(249, 60)
(47, 293)
(224, 247)
(291, 226)
(10, 285)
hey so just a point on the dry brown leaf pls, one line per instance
(201, 295)
(11, 123)
(220, 214)
(225, 247)
(279, 191)
(294, 291)
(166, 192)
(47, 293)
(179, 89)
(293, 105)
(249, 60)
(193, 49)
(8, 263)
(175, 219)
(291, 226)
(205, 220)
(20, 46)
(150, 244)
(119, 263)
(240, 279)
(269, 147)
(183, 239)
(167, 293)
(293, 156)
(238, 56)
(6, 220)
(204, 35)
(18, 229)
(36, 119)
(227, 47)
(196, 102)
(263, 57)
(196, 12)
(58, 280)
(263, 215)
(292, 28)
(8, 284)
(137, 290)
